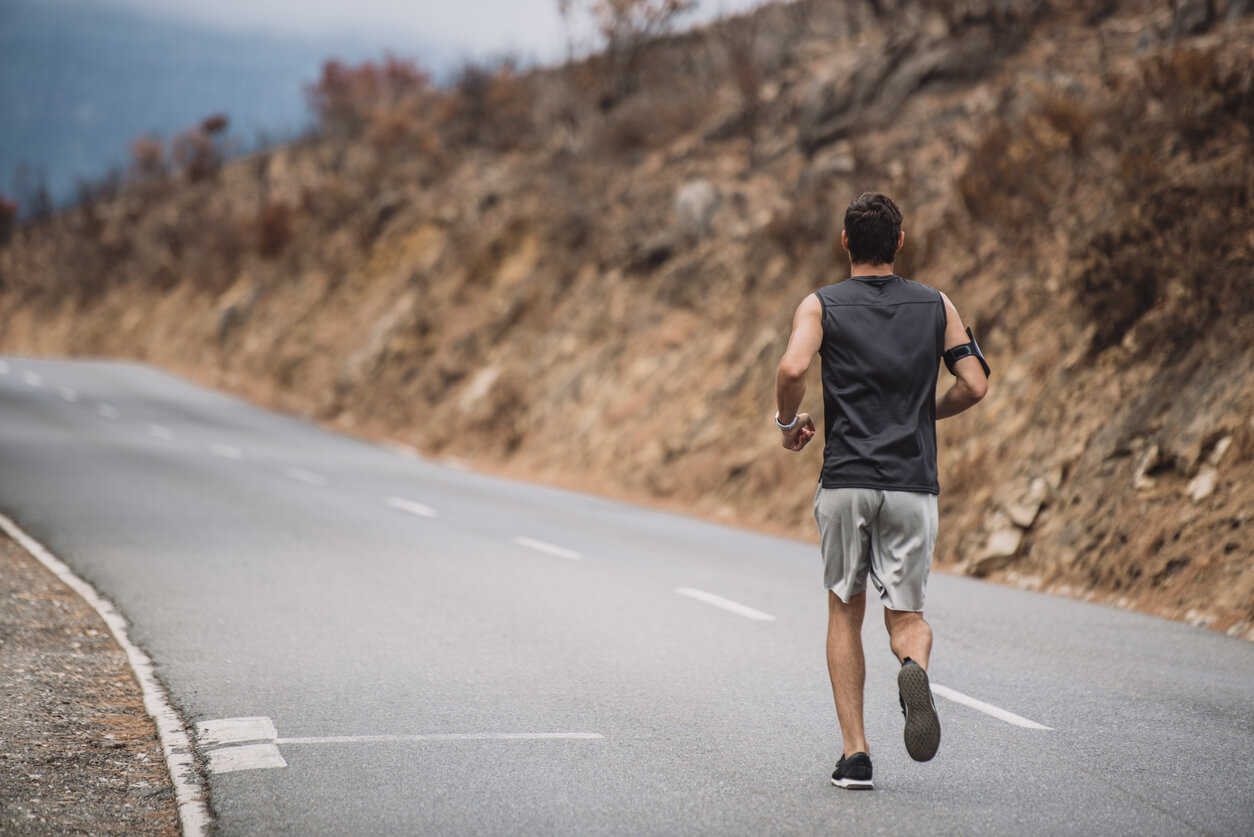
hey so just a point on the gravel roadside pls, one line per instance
(78, 753)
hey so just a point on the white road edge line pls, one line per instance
(226, 452)
(189, 790)
(69, 395)
(541, 546)
(987, 708)
(32, 378)
(444, 736)
(307, 477)
(161, 432)
(725, 604)
(409, 506)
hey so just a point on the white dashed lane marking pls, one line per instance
(226, 452)
(69, 395)
(161, 432)
(725, 604)
(987, 708)
(108, 411)
(33, 379)
(547, 548)
(307, 477)
(410, 506)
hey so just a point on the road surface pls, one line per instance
(370, 643)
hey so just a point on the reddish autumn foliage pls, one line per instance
(214, 124)
(348, 99)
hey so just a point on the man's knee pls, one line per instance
(839, 610)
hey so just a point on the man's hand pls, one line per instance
(801, 433)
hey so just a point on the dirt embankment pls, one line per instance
(586, 275)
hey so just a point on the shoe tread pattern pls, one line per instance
(922, 731)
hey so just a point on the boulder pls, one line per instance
(998, 551)
(695, 204)
(1203, 485)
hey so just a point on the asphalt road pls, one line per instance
(425, 650)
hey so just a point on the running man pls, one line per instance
(881, 338)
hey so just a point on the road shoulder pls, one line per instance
(78, 752)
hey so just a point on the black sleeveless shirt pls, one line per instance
(883, 337)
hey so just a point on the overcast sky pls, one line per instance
(529, 27)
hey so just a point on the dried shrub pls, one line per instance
(8, 218)
(389, 101)
(148, 157)
(490, 106)
(196, 154)
(1181, 249)
(1174, 240)
(739, 41)
(652, 121)
(31, 188)
(627, 26)
(401, 130)
(1018, 166)
(274, 229)
(1201, 91)
(215, 124)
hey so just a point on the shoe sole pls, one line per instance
(923, 731)
(854, 784)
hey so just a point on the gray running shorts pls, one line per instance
(886, 534)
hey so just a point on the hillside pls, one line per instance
(586, 275)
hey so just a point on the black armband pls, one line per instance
(971, 349)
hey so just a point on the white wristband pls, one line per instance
(788, 426)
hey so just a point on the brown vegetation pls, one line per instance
(524, 273)
(8, 218)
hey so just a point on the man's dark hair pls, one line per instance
(873, 225)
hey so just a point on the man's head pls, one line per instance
(872, 232)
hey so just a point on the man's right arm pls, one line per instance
(970, 382)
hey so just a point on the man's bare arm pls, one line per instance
(790, 379)
(970, 382)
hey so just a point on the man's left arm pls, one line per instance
(790, 379)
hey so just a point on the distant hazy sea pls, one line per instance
(81, 79)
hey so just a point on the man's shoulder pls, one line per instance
(919, 290)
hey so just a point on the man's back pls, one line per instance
(883, 337)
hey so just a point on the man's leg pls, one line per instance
(901, 558)
(847, 667)
(909, 635)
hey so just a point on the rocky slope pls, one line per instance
(586, 275)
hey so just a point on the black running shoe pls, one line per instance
(922, 725)
(853, 772)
